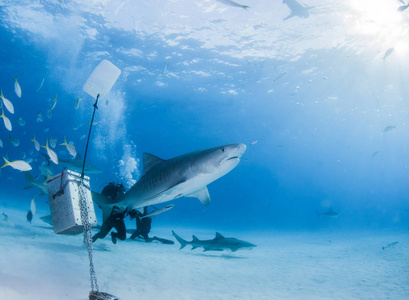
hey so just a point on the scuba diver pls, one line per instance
(116, 218)
(143, 226)
(113, 190)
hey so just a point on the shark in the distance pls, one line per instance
(219, 243)
(71, 164)
(31, 181)
(75, 164)
(297, 9)
(183, 176)
(330, 213)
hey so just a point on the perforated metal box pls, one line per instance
(64, 201)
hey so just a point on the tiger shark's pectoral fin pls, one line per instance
(202, 195)
(104, 203)
(101, 200)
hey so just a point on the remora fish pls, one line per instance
(183, 176)
(219, 243)
(297, 9)
(329, 213)
(158, 211)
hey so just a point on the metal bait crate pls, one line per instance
(64, 200)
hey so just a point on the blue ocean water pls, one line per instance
(318, 92)
(311, 97)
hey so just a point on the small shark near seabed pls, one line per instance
(183, 176)
(389, 245)
(329, 213)
(297, 9)
(219, 243)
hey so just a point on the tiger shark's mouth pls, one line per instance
(236, 157)
(233, 157)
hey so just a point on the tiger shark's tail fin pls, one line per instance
(182, 242)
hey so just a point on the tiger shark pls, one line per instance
(183, 176)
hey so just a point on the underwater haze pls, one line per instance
(317, 90)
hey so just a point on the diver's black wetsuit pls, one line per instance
(116, 219)
(143, 227)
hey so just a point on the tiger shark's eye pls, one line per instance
(223, 149)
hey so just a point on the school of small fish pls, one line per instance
(23, 161)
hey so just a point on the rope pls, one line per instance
(89, 135)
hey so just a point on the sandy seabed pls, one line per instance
(36, 263)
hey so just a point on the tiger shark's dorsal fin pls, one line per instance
(219, 236)
(149, 161)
